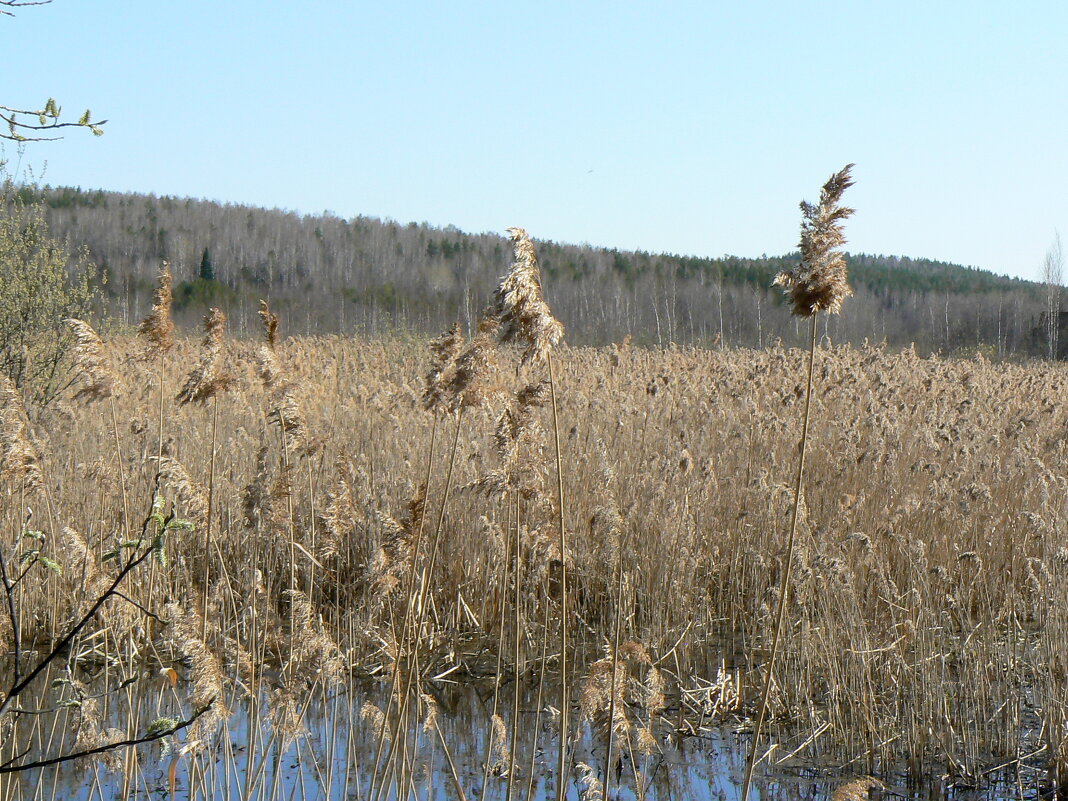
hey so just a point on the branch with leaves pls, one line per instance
(157, 730)
(158, 524)
(24, 125)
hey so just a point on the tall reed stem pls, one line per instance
(608, 772)
(515, 669)
(121, 467)
(561, 788)
(784, 584)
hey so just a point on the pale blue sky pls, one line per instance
(687, 127)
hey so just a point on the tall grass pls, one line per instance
(925, 620)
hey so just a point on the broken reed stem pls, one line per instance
(402, 640)
(207, 523)
(784, 584)
(562, 762)
(424, 584)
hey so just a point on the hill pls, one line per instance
(325, 274)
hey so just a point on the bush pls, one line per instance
(42, 283)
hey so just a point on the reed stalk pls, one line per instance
(817, 284)
(516, 602)
(562, 762)
(784, 582)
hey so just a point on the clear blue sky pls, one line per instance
(690, 127)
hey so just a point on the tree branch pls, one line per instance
(148, 738)
(59, 647)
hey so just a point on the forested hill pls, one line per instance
(324, 274)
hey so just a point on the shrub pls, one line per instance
(42, 283)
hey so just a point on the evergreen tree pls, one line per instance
(207, 267)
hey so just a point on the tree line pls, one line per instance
(326, 275)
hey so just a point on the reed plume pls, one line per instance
(270, 324)
(819, 283)
(525, 318)
(89, 731)
(158, 327)
(444, 351)
(208, 378)
(98, 379)
(519, 303)
(315, 656)
(84, 579)
(283, 408)
(591, 787)
(857, 789)
(205, 673)
(190, 495)
(19, 460)
(472, 379)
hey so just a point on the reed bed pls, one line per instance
(326, 529)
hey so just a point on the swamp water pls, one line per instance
(331, 755)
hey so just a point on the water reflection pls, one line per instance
(332, 756)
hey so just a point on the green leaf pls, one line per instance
(52, 565)
(162, 726)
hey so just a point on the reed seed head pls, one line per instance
(519, 303)
(818, 283)
(470, 382)
(97, 377)
(207, 378)
(190, 495)
(270, 323)
(19, 460)
(158, 327)
(444, 351)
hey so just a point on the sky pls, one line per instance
(683, 127)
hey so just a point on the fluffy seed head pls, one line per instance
(270, 323)
(520, 305)
(208, 378)
(97, 378)
(158, 328)
(19, 460)
(191, 497)
(471, 381)
(443, 354)
(818, 283)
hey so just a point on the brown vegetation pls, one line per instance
(929, 596)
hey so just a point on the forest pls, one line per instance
(328, 275)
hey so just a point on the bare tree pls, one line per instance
(1052, 277)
